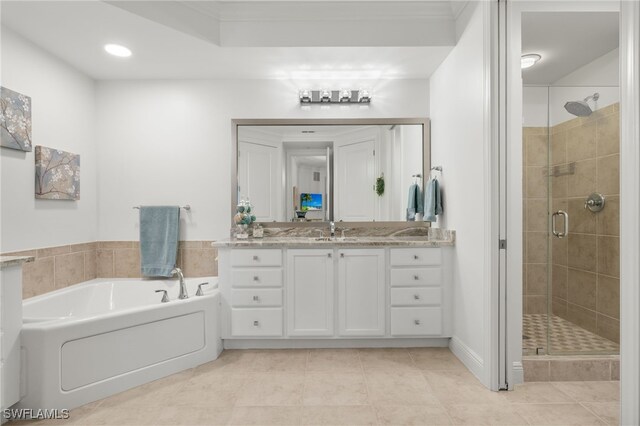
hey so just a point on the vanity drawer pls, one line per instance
(415, 276)
(256, 277)
(256, 298)
(415, 256)
(256, 322)
(416, 321)
(419, 296)
(264, 257)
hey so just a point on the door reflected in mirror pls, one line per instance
(350, 173)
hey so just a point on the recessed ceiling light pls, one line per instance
(117, 50)
(527, 61)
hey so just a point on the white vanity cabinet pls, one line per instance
(310, 295)
(329, 291)
(361, 292)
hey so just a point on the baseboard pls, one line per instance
(517, 374)
(468, 357)
(333, 343)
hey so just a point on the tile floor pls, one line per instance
(426, 386)
(564, 336)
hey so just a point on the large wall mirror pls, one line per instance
(301, 171)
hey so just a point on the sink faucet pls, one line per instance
(332, 228)
(183, 287)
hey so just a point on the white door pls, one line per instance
(310, 292)
(258, 179)
(355, 179)
(361, 292)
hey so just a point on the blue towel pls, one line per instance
(414, 204)
(158, 240)
(432, 201)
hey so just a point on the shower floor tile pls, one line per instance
(564, 336)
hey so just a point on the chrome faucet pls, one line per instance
(183, 287)
(332, 229)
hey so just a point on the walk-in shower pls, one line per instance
(571, 222)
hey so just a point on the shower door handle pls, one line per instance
(565, 230)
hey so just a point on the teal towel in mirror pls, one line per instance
(414, 204)
(159, 227)
(432, 201)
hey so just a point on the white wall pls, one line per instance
(63, 117)
(170, 142)
(458, 144)
(604, 71)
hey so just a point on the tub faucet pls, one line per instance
(332, 229)
(183, 287)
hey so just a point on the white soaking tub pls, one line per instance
(98, 338)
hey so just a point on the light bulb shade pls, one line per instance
(325, 95)
(364, 95)
(345, 95)
(527, 61)
(305, 95)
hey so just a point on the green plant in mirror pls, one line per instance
(380, 186)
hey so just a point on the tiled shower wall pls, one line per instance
(59, 267)
(585, 273)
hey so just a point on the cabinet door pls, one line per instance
(310, 292)
(361, 292)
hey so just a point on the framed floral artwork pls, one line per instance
(15, 120)
(57, 174)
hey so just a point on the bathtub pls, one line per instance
(94, 339)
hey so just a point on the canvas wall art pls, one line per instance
(57, 174)
(15, 120)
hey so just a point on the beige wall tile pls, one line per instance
(559, 307)
(82, 247)
(90, 264)
(559, 277)
(104, 263)
(559, 251)
(537, 150)
(559, 186)
(581, 142)
(582, 288)
(609, 175)
(609, 256)
(559, 148)
(582, 221)
(537, 218)
(608, 219)
(38, 277)
(536, 247)
(615, 369)
(190, 244)
(608, 298)
(583, 181)
(115, 244)
(69, 269)
(582, 252)
(199, 262)
(579, 370)
(537, 182)
(52, 251)
(608, 135)
(608, 328)
(535, 370)
(536, 279)
(536, 304)
(582, 317)
(126, 263)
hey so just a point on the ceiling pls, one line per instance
(566, 41)
(300, 40)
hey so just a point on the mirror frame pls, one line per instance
(235, 123)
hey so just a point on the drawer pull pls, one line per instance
(256, 278)
(416, 277)
(256, 298)
(255, 258)
(416, 296)
(416, 322)
(256, 323)
(415, 256)
(341, 254)
(329, 255)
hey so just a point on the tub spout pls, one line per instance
(183, 287)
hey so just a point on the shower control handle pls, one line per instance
(565, 230)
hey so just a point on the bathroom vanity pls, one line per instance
(358, 288)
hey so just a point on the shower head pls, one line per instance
(581, 108)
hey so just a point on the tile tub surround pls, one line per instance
(62, 266)
(426, 386)
(585, 282)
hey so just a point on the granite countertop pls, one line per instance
(443, 239)
(6, 261)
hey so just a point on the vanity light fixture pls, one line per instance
(117, 50)
(529, 60)
(328, 96)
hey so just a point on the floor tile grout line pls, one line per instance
(594, 413)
